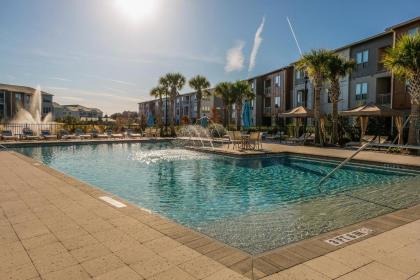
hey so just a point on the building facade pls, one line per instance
(13, 97)
(78, 112)
(287, 87)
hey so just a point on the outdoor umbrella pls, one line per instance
(299, 113)
(373, 110)
(150, 119)
(246, 115)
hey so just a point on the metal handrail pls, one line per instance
(344, 162)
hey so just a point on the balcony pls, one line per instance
(380, 67)
(267, 91)
(267, 111)
(383, 98)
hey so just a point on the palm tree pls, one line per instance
(337, 67)
(224, 91)
(200, 84)
(404, 61)
(314, 64)
(158, 92)
(173, 82)
(241, 90)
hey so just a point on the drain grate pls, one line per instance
(349, 236)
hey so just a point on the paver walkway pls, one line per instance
(54, 227)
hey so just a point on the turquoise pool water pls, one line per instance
(254, 204)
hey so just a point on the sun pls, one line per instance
(136, 10)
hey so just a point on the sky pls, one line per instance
(110, 53)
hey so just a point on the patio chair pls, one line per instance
(46, 135)
(365, 139)
(81, 134)
(235, 138)
(255, 140)
(147, 132)
(94, 133)
(8, 135)
(297, 140)
(28, 134)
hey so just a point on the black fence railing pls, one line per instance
(18, 128)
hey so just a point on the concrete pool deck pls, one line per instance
(53, 226)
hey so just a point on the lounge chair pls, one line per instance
(365, 139)
(103, 135)
(8, 135)
(117, 135)
(46, 135)
(131, 134)
(28, 134)
(65, 135)
(148, 132)
(81, 134)
(93, 133)
(305, 137)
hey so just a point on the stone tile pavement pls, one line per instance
(54, 227)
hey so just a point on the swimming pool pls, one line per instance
(254, 204)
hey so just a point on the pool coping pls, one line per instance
(264, 264)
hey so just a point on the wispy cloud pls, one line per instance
(60, 79)
(121, 82)
(56, 88)
(235, 57)
(257, 43)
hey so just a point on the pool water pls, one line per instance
(254, 204)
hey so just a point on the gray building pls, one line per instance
(13, 97)
(76, 111)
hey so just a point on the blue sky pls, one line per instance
(92, 53)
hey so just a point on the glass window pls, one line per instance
(277, 101)
(413, 31)
(298, 74)
(277, 80)
(359, 58)
(358, 88)
(365, 56)
(364, 88)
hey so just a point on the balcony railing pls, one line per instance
(267, 111)
(383, 98)
(380, 67)
(267, 91)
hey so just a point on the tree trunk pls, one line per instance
(225, 115)
(160, 115)
(414, 90)
(317, 113)
(171, 113)
(335, 93)
(238, 115)
(199, 96)
(414, 116)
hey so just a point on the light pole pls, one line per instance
(166, 113)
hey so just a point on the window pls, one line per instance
(361, 91)
(277, 101)
(267, 83)
(362, 57)
(253, 84)
(413, 31)
(299, 74)
(277, 80)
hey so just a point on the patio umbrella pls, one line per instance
(246, 115)
(150, 119)
(373, 110)
(204, 121)
(299, 113)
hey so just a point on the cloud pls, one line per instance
(257, 43)
(60, 79)
(235, 57)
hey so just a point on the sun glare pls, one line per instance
(136, 10)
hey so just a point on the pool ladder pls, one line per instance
(343, 163)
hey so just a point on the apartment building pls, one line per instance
(185, 107)
(272, 96)
(287, 87)
(13, 97)
(76, 111)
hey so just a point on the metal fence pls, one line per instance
(17, 128)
